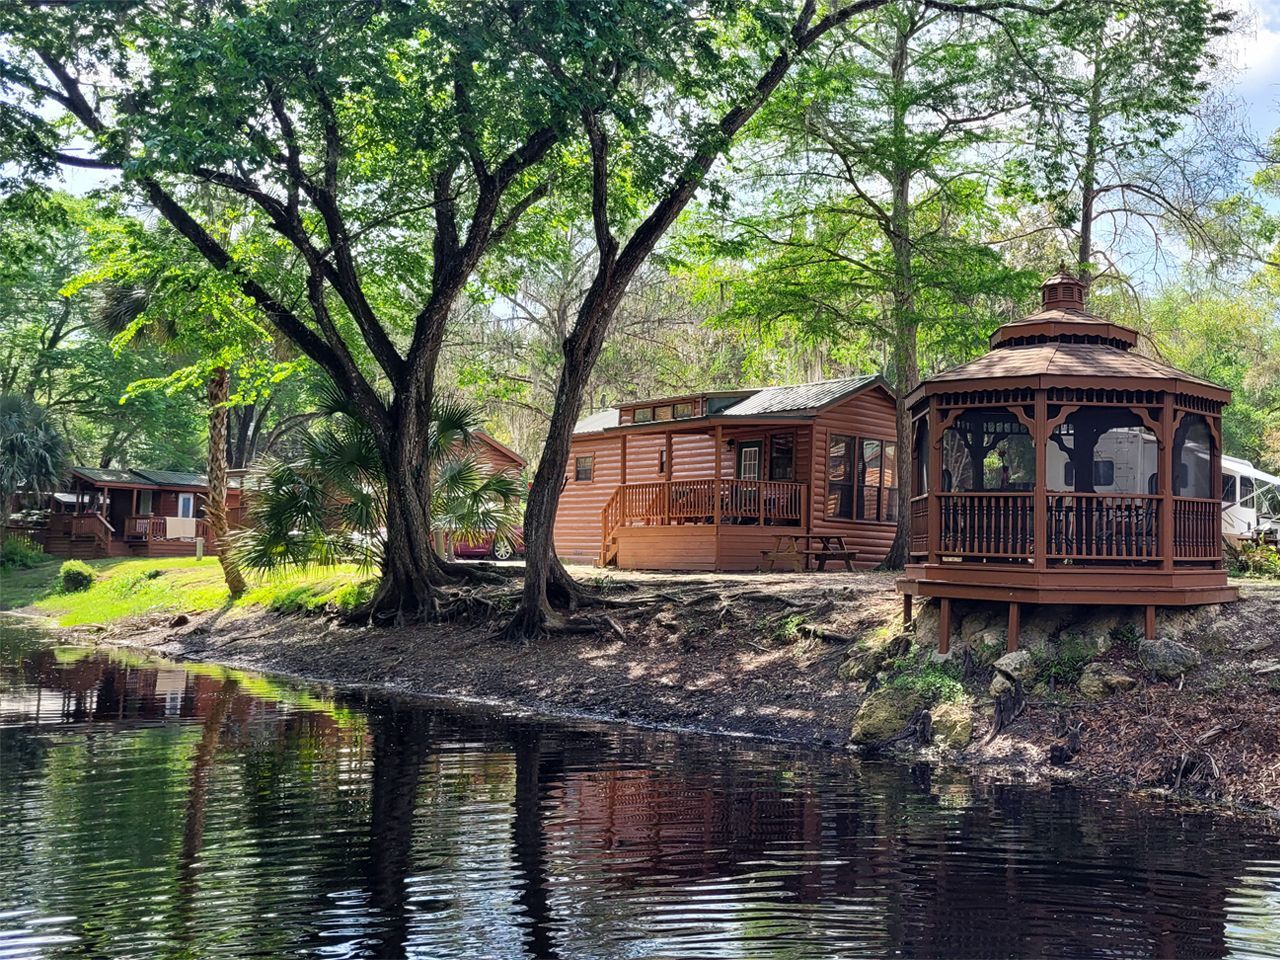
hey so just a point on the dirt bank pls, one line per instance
(797, 657)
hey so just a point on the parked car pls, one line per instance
(487, 549)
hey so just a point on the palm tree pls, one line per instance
(328, 504)
(33, 455)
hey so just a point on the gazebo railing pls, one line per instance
(1079, 527)
(1103, 526)
(1197, 529)
(987, 524)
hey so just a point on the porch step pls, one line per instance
(609, 555)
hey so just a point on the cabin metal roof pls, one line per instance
(173, 478)
(146, 477)
(802, 396)
(596, 422)
(795, 400)
(99, 475)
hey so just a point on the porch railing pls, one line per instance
(658, 503)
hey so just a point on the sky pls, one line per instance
(1256, 58)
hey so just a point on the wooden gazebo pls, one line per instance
(1063, 467)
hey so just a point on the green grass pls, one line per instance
(128, 588)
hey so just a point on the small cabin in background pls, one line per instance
(710, 481)
(133, 513)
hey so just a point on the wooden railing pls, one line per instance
(1103, 526)
(920, 524)
(982, 524)
(1079, 527)
(773, 502)
(144, 528)
(1197, 529)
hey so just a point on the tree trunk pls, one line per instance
(903, 320)
(545, 578)
(411, 573)
(1089, 175)
(219, 391)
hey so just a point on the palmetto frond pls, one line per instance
(328, 505)
(32, 452)
(454, 425)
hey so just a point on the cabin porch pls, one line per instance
(698, 499)
(91, 536)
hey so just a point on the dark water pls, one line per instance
(149, 809)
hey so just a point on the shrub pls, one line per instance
(1258, 560)
(17, 554)
(1064, 665)
(75, 575)
(937, 682)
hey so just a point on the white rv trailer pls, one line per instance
(1250, 502)
(1126, 459)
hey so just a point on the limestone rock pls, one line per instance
(1100, 680)
(885, 713)
(981, 620)
(1099, 627)
(866, 661)
(926, 625)
(1191, 623)
(952, 725)
(989, 645)
(1019, 665)
(1041, 623)
(1167, 659)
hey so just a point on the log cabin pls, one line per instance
(1062, 467)
(716, 480)
(133, 513)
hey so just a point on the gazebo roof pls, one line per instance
(1064, 343)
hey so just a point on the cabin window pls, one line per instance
(840, 478)
(144, 503)
(186, 505)
(663, 412)
(782, 457)
(642, 415)
(682, 410)
(1228, 488)
(583, 467)
(877, 486)
(662, 461)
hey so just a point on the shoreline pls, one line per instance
(703, 662)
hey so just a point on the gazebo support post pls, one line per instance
(944, 625)
(1149, 622)
(1015, 625)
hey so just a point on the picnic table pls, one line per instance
(796, 549)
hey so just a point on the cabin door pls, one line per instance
(749, 460)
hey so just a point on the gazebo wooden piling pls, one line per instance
(1009, 452)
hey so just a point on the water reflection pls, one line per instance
(157, 810)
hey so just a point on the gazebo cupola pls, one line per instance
(1065, 467)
